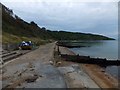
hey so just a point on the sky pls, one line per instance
(87, 16)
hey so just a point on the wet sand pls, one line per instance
(101, 78)
(74, 75)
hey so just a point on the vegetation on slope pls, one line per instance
(15, 30)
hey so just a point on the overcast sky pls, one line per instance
(89, 16)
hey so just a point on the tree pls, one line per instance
(33, 23)
(43, 28)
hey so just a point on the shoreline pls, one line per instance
(97, 73)
(66, 75)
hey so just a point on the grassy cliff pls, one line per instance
(14, 29)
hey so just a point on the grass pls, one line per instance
(9, 38)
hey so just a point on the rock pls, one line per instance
(51, 62)
(32, 69)
(31, 79)
(58, 63)
(30, 65)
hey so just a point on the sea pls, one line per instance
(103, 49)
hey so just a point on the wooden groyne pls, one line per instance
(72, 46)
(89, 60)
(85, 59)
(68, 45)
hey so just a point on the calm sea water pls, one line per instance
(103, 49)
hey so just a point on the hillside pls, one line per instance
(15, 30)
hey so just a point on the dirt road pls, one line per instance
(33, 70)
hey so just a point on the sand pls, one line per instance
(95, 72)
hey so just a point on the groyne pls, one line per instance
(95, 71)
(84, 59)
(89, 60)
